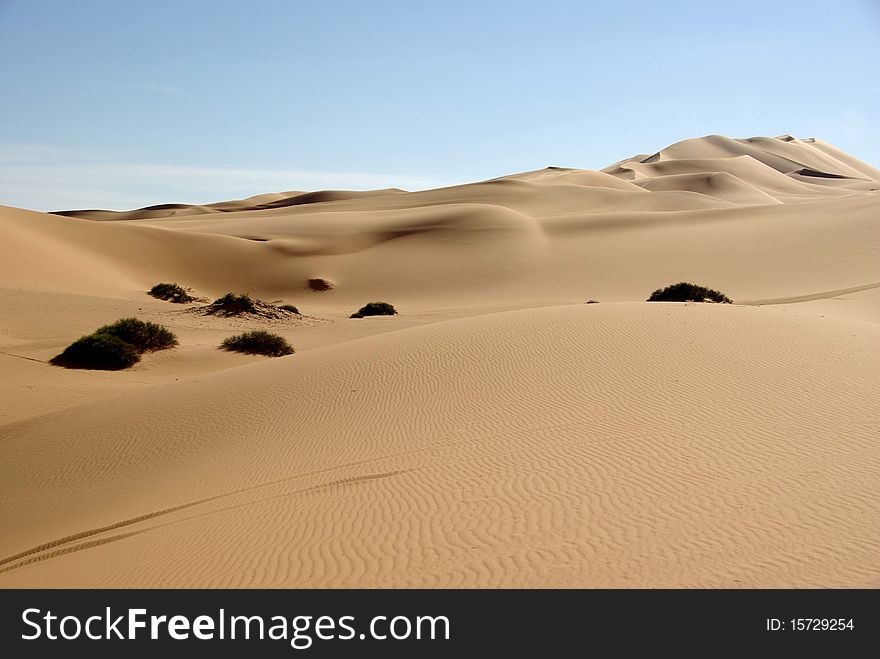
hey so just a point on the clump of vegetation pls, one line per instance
(244, 305)
(233, 305)
(101, 352)
(321, 284)
(258, 342)
(143, 335)
(375, 309)
(115, 347)
(592, 302)
(685, 292)
(171, 293)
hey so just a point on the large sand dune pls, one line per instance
(498, 432)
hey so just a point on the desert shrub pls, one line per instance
(320, 284)
(117, 346)
(144, 336)
(98, 351)
(258, 342)
(231, 304)
(171, 293)
(592, 302)
(375, 309)
(685, 292)
(244, 305)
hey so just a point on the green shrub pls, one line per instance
(143, 335)
(117, 346)
(231, 305)
(171, 293)
(258, 342)
(289, 307)
(375, 309)
(685, 292)
(98, 351)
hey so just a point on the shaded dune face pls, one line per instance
(721, 185)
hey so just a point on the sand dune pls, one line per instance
(183, 210)
(721, 185)
(600, 445)
(867, 170)
(550, 232)
(255, 203)
(758, 161)
(498, 432)
(783, 154)
(777, 184)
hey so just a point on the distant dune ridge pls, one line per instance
(498, 431)
(542, 235)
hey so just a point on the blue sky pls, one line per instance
(119, 104)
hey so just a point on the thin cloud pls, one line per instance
(39, 178)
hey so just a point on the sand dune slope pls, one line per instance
(588, 445)
(869, 171)
(258, 202)
(711, 209)
(786, 168)
(784, 154)
(504, 233)
(721, 185)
